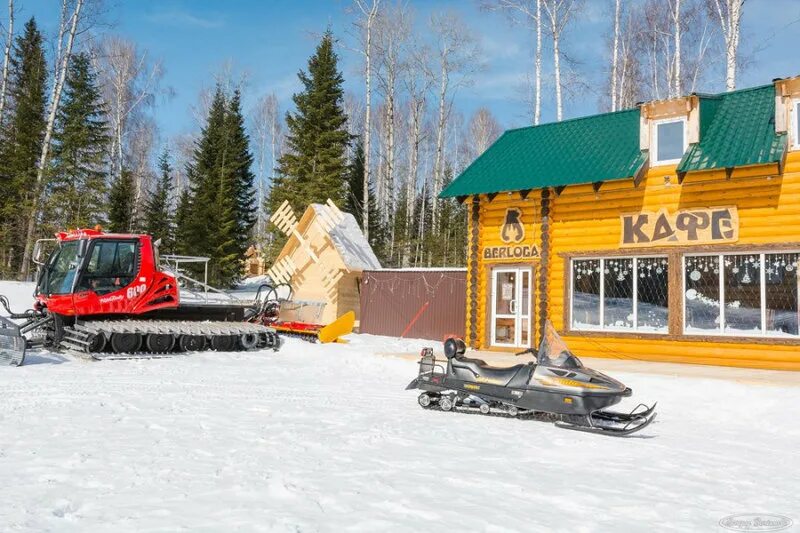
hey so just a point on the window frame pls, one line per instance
(720, 332)
(795, 112)
(90, 250)
(601, 328)
(654, 140)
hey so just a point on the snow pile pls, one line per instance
(325, 438)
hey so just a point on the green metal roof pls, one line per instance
(582, 150)
(736, 129)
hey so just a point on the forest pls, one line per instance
(80, 144)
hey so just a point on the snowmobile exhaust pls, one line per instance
(12, 343)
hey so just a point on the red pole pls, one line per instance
(416, 317)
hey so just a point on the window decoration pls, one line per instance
(669, 140)
(620, 294)
(749, 294)
(781, 310)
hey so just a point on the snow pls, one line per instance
(325, 438)
(351, 244)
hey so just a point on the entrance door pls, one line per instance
(511, 306)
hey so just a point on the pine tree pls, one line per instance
(315, 166)
(354, 200)
(120, 203)
(216, 215)
(158, 215)
(239, 211)
(22, 143)
(183, 224)
(355, 182)
(78, 188)
(198, 211)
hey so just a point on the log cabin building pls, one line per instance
(668, 232)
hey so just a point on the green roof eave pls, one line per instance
(591, 149)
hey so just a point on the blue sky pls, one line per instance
(271, 41)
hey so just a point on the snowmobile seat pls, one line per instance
(471, 369)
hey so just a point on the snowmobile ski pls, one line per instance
(617, 429)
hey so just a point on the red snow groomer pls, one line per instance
(104, 295)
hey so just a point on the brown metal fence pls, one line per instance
(414, 303)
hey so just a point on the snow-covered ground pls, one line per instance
(325, 438)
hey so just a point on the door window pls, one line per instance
(111, 266)
(511, 302)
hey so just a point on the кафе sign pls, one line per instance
(687, 226)
(512, 233)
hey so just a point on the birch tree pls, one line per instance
(392, 29)
(676, 57)
(416, 85)
(629, 88)
(527, 13)
(615, 57)
(675, 40)
(129, 83)
(130, 80)
(267, 129)
(456, 58)
(6, 59)
(483, 131)
(367, 11)
(729, 13)
(559, 13)
(71, 17)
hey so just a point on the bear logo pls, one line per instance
(513, 230)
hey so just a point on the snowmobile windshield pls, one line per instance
(60, 270)
(553, 351)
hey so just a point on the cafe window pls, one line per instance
(743, 294)
(669, 141)
(620, 294)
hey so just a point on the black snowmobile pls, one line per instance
(556, 384)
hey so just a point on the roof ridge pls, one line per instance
(747, 89)
(574, 119)
(586, 117)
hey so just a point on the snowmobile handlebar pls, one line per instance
(523, 352)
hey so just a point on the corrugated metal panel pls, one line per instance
(582, 150)
(737, 129)
(427, 304)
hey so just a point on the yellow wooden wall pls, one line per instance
(492, 215)
(583, 220)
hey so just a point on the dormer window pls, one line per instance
(796, 122)
(669, 140)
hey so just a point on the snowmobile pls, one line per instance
(556, 385)
(104, 295)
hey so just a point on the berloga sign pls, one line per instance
(688, 226)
